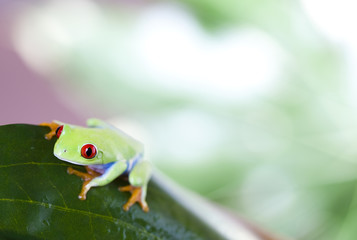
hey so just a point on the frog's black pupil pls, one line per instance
(89, 151)
(57, 130)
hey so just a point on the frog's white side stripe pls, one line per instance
(133, 161)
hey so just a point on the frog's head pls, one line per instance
(76, 146)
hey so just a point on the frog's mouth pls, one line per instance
(66, 160)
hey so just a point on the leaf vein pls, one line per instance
(23, 190)
(59, 193)
(33, 163)
(86, 213)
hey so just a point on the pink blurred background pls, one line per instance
(25, 96)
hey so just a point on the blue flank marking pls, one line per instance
(104, 167)
(132, 163)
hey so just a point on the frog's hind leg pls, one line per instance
(137, 195)
(138, 179)
(86, 177)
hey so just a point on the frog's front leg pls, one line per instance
(138, 179)
(86, 177)
(54, 126)
(94, 179)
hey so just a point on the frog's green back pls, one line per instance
(116, 142)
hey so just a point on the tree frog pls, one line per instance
(107, 153)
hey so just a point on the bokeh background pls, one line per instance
(251, 104)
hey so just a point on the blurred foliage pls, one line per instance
(285, 156)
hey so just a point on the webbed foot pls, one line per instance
(53, 127)
(86, 177)
(136, 196)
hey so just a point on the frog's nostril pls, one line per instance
(65, 150)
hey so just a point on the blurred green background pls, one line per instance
(249, 103)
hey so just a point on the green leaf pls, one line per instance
(38, 199)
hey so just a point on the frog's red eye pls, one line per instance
(88, 151)
(59, 131)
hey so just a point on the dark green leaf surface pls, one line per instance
(38, 199)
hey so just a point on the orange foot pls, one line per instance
(135, 197)
(53, 127)
(86, 177)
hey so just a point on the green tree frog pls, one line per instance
(107, 153)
